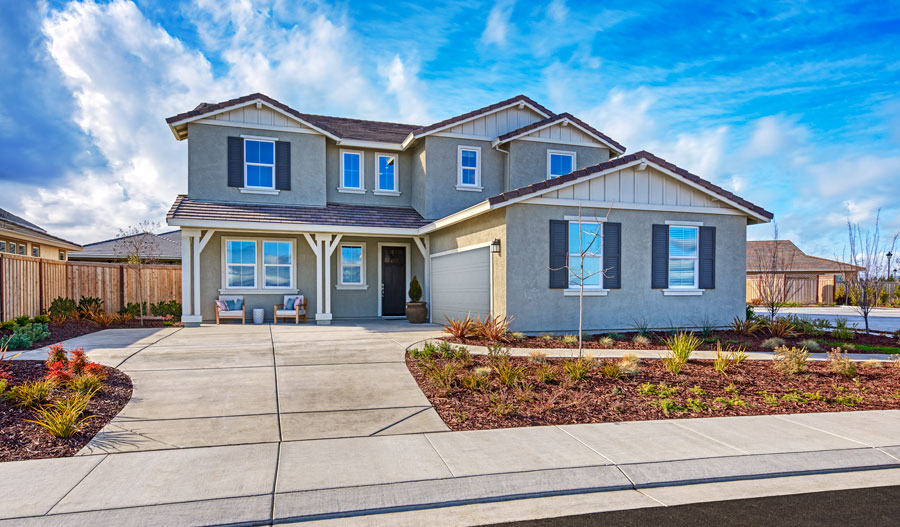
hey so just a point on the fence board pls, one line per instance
(27, 284)
(805, 290)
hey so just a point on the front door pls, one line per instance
(393, 281)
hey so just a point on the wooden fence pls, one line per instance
(28, 285)
(805, 290)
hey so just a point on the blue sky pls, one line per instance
(792, 105)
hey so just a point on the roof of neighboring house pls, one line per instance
(168, 247)
(11, 222)
(623, 160)
(790, 258)
(565, 116)
(186, 208)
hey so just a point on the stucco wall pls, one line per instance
(418, 182)
(538, 308)
(442, 197)
(528, 160)
(208, 166)
(481, 229)
(333, 175)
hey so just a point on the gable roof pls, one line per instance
(12, 223)
(642, 155)
(512, 101)
(789, 258)
(168, 245)
(562, 117)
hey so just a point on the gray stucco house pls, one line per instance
(483, 208)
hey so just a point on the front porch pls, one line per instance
(347, 275)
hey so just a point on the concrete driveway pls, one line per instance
(881, 319)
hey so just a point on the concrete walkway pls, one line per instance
(881, 319)
(281, 424)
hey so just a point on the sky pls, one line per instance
(792, 105)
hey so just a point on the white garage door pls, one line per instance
(460, 285)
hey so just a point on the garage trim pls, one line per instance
(490, 271)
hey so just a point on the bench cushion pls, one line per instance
(233, 313)
(289, 312)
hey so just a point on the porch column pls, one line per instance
(323, 289)
(425, 248)
(189, 316)
(317, 250)
(196, 262)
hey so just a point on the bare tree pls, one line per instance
(773, 260)
(579, 273)
(867, 256)
(138, 245)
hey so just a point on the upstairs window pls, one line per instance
(259, 164)
(240, 264)
(2, 247)
(22, 249)
(585, 238)
(35, 251)
(352, 175)
(386, 166)
(469, 168)
(62, 255)
(559, 163)
(683, 256)
(12, 247)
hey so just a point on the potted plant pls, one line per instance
(416, 311)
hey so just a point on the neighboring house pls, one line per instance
(21, 237)
(167, 249)
(791, 262)
(481, 207)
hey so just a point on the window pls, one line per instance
(2, 247)
(559, 163)
(259, 163)
(352, 176)
(240, 264)
(35, 251)
(62, 255)
(12, 247)
(386, 173)
(277, 263)
(22, 249)
(683, 256)
(587, 237)
(352, 265)
(469, 168)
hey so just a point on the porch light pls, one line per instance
(495, 246)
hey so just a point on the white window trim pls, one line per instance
(362, 271)
(459, 169)
(593, 288)
(387, 191)
(588, 291)
(247, 163)
(263, 264)
(550, 153)
(252, 190)
(361, 189)
(695, 286)
(225, 264)
(682, 292)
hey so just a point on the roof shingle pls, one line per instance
(789, 257)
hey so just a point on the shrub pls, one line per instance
(496, 352)
(517, 335)
(883, 297)
(772, 343)
(32, 393)
(133, 309)
(95, 370)
(611, 370)
(606, 341)
(842, 331)
(63, 418)
(707, 326)
(494, 329)
(428, 349)
(840, 364)
(746, 327)
(641, 340)
(672, 364)
(577, 369)
(537, 357)
(545, 373)
(630, 364)
(85, 383)
(781, 328)
(56, 353)
(3, 384)
(445, 348)
(9, 325)
(872, 363)
(809, 344)
(500, 407)
(460, 329)
(24, 337)
(59, 372)
(641, 326)
(681, 346)
(839, 294)
(509, 374)
(669, 406)
(23, 320)
(90, 306)
(171, 308)
(545, 336)
(570, 340)
(443, 377)
(790, 361)
(476, 379)
(661, 390)
(104, 319)
(415, 290)
(728, 357)
(78, 361)
(62, 308)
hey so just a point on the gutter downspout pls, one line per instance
(505, 168)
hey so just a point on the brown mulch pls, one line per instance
(599, 399)
(623, 341)
(20, 440)
(77, 328)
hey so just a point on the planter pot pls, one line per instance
(416, 312)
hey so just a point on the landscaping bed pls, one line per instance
(482, 392)
(76, 328)
(20, 439)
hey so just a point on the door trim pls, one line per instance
(408, 272)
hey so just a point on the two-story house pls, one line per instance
(483, 208)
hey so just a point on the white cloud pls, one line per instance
(498, 25)
(403, 83)
(558, 11)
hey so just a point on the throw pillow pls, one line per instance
(234, 305)
(221, 305)
(289, 303)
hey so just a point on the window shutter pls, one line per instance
(659, 273)
(559, 252)
(235, 162)
(283, 165)
(612, 259)
(707, 254)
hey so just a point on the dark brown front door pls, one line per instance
(393, 281)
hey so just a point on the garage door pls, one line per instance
(461, 284)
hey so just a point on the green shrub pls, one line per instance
(442, 378)
(63, 418)
(90, 305)
(545, 373)
(24, 337)
(9, 325)
(42, 319)
(517, 335)
(415, 290)
(839, 294)
(669, 406)
(509, 374)
(477, 379)
(24, 320)
(728, 357)
(681, 346)
(611, 370)
(32, 393)
(772, 343)
(577, 369)
(497, 352)
(661, 390)
(3, 383)
(133, 309)
(570, 340)
(843, 334)
(499, 407)
(445, 349)
(749, 313)
(641, 340)
(606, 341)
(810, 344)
(840, 364)
(883, 297)
(641, 326)
(731, 401)
(85, 383)
(790, 361)
(161, 309)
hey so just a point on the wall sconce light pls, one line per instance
(495, 247)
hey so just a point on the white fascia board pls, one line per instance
(482, 114)
(456, 217)
(248, 103)
(588, 204)
(554, 123)
(394, 147)
(293, 227)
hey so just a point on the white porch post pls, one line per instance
(317, 250)
(196, 262)
(330, 247)
(189, 315)
(425, 248)
(323, 288)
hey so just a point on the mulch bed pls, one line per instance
(77, 328)
(623, 341)
(599, 399)
(20, 440)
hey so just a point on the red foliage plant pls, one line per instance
(59, 372)
(94, 369)
(61, 368)
(78, 360)
(56, 354)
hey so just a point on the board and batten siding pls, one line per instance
(497, 123)
(566, 134)
(263, 116)
(629, 185)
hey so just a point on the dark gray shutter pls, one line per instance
(612, 259)
(235, 162)
(559, 254)
(283, 165)
(659, 266)
(707, 278)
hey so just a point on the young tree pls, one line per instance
(773, 259)
(590, 246)
(138, 246)
(866, 252)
